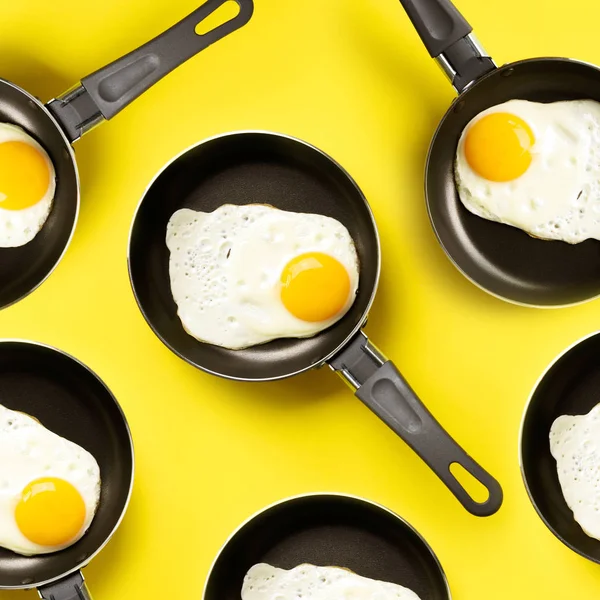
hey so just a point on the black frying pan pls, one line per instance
(70, 400)
(500, 259)
(56, 125)
(570, 386)
(251, 167)
(329, 530)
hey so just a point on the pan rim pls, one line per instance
(548, 368)
(68, 144)
(458, 98)
(88, 559)
(361, 322)
(337, 495)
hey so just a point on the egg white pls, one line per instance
(29, 451)
(225, 269)
(19, 227)
(309, 582)
(575, 445)
(558, 197)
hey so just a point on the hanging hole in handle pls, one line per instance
(222, 14)
(472, 486)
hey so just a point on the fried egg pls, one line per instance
(575, 445)
(245, 275)
(27, 186)
(534, 166)
(49, 487)
(264, 582)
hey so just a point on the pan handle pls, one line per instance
(379, 384)
(449, 39)
(70, 588)
(109, 90)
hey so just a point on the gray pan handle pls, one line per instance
(438, 22)
(379, 384)
(449, 39)
(109, 90)
(70, 588)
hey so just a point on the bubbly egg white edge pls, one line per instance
(571, 487)
(42, 209)
(353, 268)
(473, 203)
(313, 581)
(90, 496)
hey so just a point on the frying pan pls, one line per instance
(500, 259)
(65, 119)
(570, 386)
(250, 167)
(329, 530)
(72, 401)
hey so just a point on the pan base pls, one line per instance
(570, 387)
(248, 168)
(503, 260)
(22, 269)
(72, 402)
(329, 530)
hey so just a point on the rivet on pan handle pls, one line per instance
(69, 588)
(109, 90)
(449, 39)
(379, 384)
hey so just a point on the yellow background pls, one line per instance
(351, 77)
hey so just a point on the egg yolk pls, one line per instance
(24, 175)
(51, 512)
(314, 286)
(498, 147)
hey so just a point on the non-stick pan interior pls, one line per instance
(245, 168)
(22, 269)
(502, 259)
(570, 387)
(329, 530)
(71, 401)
